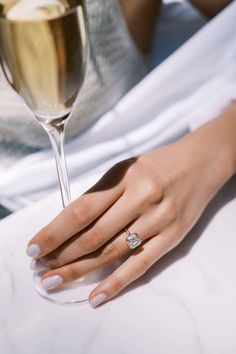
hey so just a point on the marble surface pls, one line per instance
(184, 305)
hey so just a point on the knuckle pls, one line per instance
(167, 212)
(141, 267)
(49, 239)
(117, 283)
(79, 211)
(137, 167)
(151, 190)
(160, 178)
(110, 254)
(152, 184)
(71, 272)
(93, 238)
(148, 194)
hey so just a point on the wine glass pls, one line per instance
(44, 51)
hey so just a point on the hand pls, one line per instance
(159, 195)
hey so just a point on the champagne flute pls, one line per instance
(43, 51)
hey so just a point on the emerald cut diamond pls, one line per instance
(133, 240)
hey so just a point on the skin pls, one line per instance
(210, 8)
(160, 195)
(141, 16)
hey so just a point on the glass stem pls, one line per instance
(56, 134)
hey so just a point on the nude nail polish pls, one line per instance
(33, 250)
(98, 300)
(52, 282)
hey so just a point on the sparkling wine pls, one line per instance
(43, 50)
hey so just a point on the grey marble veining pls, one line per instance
(184, 304)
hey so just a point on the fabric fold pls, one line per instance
(191, 87)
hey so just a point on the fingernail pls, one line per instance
(33, 251)
(52, 282)
(98, 300)
(37, 266)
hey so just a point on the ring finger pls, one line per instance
(114, 250)
(94, 237)
(107, 226)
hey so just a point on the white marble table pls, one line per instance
(185, 305)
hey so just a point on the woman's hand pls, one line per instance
(159, 195)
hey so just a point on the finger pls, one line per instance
(114, 250)
(121, 214)
(111, 252)
(78, 215)
(105, 228)
(73, 271)
(133, 268)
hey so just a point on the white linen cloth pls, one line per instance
(191, 87)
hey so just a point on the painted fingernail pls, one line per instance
(52, 282)
(37, 266)
(98, 300)
(33, 250)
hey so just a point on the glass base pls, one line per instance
(74, 293)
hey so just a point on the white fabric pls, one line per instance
(188, 89)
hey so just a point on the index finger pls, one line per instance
(74, 218)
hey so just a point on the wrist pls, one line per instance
(215, 145)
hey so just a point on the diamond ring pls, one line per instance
(133, 240)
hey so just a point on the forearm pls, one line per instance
(141, 16)
(215, 144)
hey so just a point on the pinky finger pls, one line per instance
(133, 268)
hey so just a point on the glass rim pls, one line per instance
(65, 14)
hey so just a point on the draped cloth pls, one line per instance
(191, 87)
